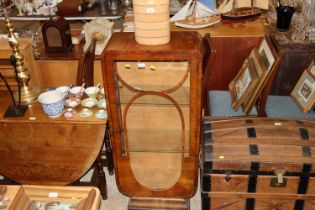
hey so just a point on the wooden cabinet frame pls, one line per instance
(184, 46)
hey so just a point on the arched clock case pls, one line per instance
(154, 106)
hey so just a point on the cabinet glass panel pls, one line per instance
(154, 102)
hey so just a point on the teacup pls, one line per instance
(101, 103)
(102, 93)
(64, 90)
(92, 91)
(52, 102)
(77, 91)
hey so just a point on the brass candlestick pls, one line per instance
(28, 94)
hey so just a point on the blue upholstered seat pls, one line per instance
(219, 103)
(285, 107)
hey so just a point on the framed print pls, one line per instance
(266, 54)
(304, 91)
(38, 197)
(311, 68)
(242, 84)
(255, 60)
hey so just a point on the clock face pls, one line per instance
(57, 36)
(54, 37)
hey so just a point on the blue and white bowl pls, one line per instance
(52, 103)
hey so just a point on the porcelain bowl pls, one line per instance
(77, 91)
(64, 90)
(52, 102)
(92, 91)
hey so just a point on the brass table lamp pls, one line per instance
(28, 94)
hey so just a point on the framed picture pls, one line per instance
(311, 68)
(266, 54)
(255, 60)
(55, 198)
(304, 91)
(242, 84)
(257, 63)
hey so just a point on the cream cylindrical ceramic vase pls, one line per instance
(152, 26)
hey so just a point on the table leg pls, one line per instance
(108, 152)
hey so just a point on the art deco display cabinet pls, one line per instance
(154, 105)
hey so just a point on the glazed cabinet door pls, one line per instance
(154, 103)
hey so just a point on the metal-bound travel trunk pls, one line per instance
(257, 163)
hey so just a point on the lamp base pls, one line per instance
(15, 111)
(28, 95)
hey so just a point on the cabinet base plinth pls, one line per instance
(158, 204)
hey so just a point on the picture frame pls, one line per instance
(266, 54)
(311, 68)
(260, 68)
(38, 197)
(242, 84)
(304, 91)
(270, 58)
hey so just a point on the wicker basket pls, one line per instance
(151, 18)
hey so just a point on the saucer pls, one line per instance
(89, 102)
(86, 113)
(101, 114)
(69, 113)
(101, 103)
(72, 103)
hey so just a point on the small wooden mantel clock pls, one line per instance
(154, 105)
(56, 35)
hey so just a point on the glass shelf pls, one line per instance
(181, 96)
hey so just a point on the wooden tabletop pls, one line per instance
(35, 113)
(47, 151)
